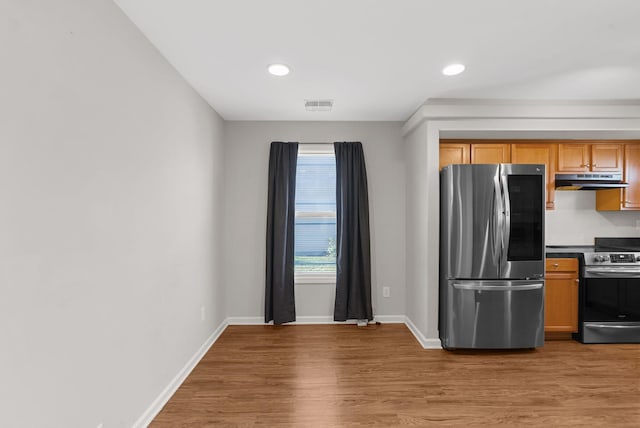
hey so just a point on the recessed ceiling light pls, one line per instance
(453, 69)
(278, 69)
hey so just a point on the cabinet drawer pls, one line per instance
(561, 265)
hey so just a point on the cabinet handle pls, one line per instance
(555, 265)
(577, 281)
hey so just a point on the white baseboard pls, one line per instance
(390, 319)
(426, 343)
(245, 320)
(162, 399)
(320, 319)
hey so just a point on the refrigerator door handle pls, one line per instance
(506, 232)
(484, 287)
(497, 230)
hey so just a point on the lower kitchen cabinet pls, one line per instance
(561, 296)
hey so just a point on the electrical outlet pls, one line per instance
(100, 425)
(386, 292)
(201, 313)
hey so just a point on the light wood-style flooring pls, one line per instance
(379, 376)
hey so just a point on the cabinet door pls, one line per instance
(454, 153)
(573, 157)
(627, 198)
(490, 153)
(561, 296)
(631, 195)
(607, 157)
(538, 154)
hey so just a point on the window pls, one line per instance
(315, 224)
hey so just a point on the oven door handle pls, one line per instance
(616, 326)
(612, 273)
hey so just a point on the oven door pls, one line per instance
(611, 310)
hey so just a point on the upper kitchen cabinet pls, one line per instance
(573, 157)
(490, 153)
(607, 157)
(459, 151)
(586, 157)
(629, 197)
(631, 194)
(538, 153)
(454, 153)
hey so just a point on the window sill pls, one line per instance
(315, 279)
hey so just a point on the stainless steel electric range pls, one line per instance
(609, 297)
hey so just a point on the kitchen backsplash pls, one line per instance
(575, 220)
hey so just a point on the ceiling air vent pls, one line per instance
(318, 105)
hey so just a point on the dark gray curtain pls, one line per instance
(353, 277)
(279, 292)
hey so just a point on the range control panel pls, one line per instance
(622, 258)
(616, 259)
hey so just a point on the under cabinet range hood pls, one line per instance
(590, 181)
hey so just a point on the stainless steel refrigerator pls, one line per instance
(492, 256)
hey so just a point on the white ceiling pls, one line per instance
(382, 59)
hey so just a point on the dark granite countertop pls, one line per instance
(555, 251)
(570, 248)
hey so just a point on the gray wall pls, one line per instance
(416, 158)
(247, 158)
(110, 190)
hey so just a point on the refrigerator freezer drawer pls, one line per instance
(494, 314)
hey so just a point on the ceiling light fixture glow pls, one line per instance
(453, 69)
(278, 69)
